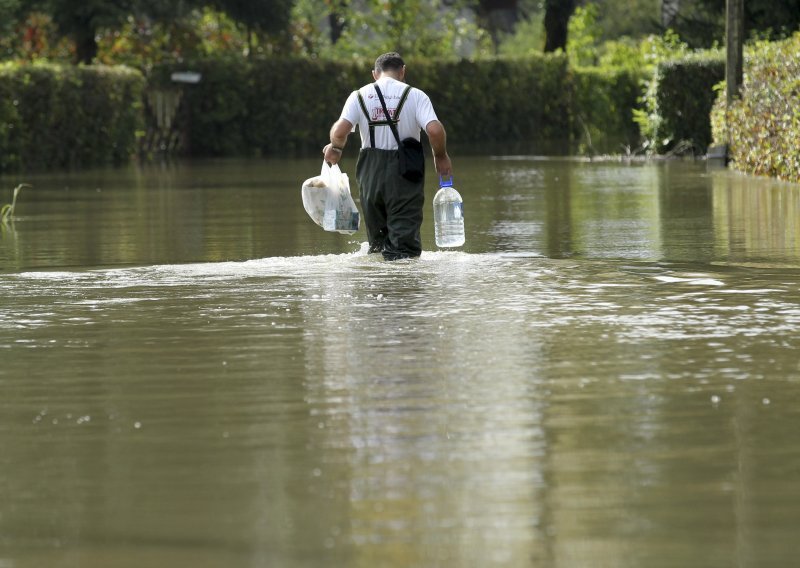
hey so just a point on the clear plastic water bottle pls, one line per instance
(448, 215)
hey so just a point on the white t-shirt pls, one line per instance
(415, 115)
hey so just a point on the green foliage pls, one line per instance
(8, 10)
(500, 100)
(623, 53)
(415, 28)
(267, 106)
(702, 22)
(266, 16)
(527, 39)
(642, 54)
(678, 94)
(612, 20)
(283, 105)
(140, 32)
(584, 35)
(143, 42)
(56, 116)
(603, 103)
(762, 127)
(629, 18)
(80, 20)
(35, 37)
(678, 102)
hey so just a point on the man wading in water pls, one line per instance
(392, 203)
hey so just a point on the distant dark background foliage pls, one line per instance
(314, 27)
(701, 23)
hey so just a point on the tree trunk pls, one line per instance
(85, 45)
(734, 40)
(336, 20)
(556, 18)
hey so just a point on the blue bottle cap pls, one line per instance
(445, 181)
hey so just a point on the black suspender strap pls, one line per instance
(369, 122)
(391, 122)
(403, 98)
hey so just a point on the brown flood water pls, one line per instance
(194, 374)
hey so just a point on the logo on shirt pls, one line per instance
(378, 114)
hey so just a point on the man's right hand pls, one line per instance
(332, 155)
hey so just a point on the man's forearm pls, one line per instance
(339, 131)
(438, 138)
(338, 135)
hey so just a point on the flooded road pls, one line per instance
(194, 374)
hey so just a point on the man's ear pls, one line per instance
(375, 74)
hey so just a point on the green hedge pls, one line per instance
(282, 105)
(57, 116)
(762, 127)
(502, 100)
(678, 102)
(54, 116)
(61, 116)
(604, 100)
(275, 106)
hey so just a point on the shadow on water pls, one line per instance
(195, 374)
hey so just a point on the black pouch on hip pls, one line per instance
(412, 157)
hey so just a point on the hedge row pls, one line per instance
(678, 102)
(280, 106)
(55, 116)
(762, 127)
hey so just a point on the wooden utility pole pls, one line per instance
(734, 41)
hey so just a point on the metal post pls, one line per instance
(734, 40)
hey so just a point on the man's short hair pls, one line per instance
(389, 62)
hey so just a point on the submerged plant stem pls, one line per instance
(7, 210)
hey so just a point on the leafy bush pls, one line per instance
(678, 102)
(54, 116)
(762, 127)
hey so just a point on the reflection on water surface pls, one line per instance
(607, 375)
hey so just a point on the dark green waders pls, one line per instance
(392, 205)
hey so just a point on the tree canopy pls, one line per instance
(359, 28)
